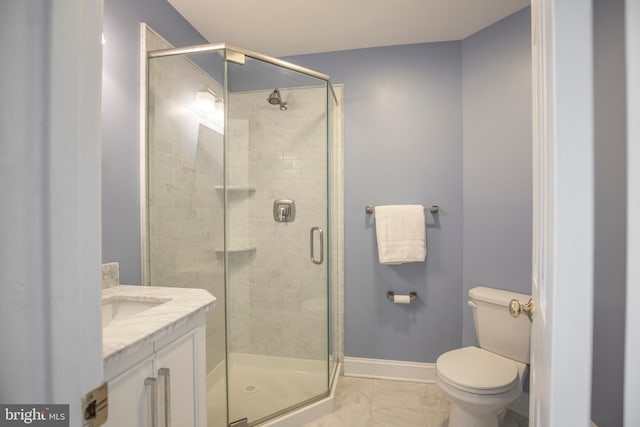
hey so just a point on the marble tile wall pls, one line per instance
(277, 296)
(185, 208)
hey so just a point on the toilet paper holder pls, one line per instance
(412, 295)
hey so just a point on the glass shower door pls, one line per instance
(184, 166)
(276, 192)
(185, 199)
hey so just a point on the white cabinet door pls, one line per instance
(130, 400)
(176, 369)
(178, 365)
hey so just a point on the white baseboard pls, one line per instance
(390, 369)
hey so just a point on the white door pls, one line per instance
(50, 325)
(632, 344)
(562, 285)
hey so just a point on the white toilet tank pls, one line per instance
(496, 330)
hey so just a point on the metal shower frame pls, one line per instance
(233, 54)
(231, 49)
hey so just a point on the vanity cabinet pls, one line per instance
(168, 383)
(175, 365)
(129, 397)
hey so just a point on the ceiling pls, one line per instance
(291, 27)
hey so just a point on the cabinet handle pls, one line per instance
(150, 381)
(166, 373)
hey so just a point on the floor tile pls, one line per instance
(354, 390)
(395, 394)
(364, 402)
(398, 417)
(353, 415)
(512, 419)
(433, 399)
(436, 419)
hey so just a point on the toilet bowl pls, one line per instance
(481, 381)
(479, 384)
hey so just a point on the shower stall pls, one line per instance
(237, 182)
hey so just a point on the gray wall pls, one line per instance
(403, 144)
(610, 213)
(496, 82)
(120, 111)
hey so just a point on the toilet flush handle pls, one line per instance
(515, 308)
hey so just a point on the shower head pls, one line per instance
(274, 99)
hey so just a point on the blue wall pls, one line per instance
(407, 109)
(496, 87)
(403, 144)
(120, 112)
(446, 123)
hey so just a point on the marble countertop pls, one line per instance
(180, 306)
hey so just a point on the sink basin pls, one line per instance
(117, 310)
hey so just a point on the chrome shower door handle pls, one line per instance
(312, 246)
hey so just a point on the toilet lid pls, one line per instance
(477, 371)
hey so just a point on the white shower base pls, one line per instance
(262, 385)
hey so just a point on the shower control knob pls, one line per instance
(284, 210)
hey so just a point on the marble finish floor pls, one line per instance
(364, 402)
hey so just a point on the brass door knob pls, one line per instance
(515, 308)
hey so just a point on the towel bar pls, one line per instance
(433, 209)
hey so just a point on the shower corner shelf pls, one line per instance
(234, 249)
(248, 188)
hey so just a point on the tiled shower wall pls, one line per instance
(277, 297)
(185, 210)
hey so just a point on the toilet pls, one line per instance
(481, 381)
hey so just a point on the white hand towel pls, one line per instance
(400, 231)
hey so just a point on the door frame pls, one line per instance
(632, 339)
(563, 141)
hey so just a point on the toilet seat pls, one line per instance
(477, 371)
